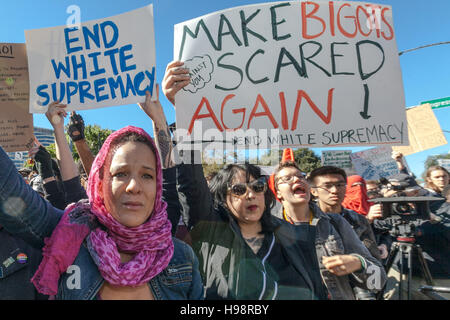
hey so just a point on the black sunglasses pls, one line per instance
(256, 186)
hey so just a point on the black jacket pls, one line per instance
(18, 263)
(229, 268)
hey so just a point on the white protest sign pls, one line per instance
(338, 158)
(106, 62)
(291, 74)
(375, 163)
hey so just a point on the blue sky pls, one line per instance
(426, 72)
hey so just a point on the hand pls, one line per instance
(375, 212)
(397, 156)
(153, 109)
(175, 78)
(383, 251)
(342, 265)
(56, 114)
(43, 161)
(76, 127)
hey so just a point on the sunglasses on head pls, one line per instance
(257, 186)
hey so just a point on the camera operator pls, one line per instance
(432, 235)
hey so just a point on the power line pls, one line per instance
(421, 47)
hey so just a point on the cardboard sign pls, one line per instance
(424, 130)
(105, 62)
(16, 123)
(375, 163)
(292, 74)
(338, 158)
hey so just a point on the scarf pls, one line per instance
(151, 243)
(356, 198)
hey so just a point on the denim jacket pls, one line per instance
(335, 236)
(24, 213)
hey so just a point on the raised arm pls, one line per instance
(76, 133)
(56, 114)
(161, 131)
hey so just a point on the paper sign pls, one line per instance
(375, 163)
(105, 62)
(338, 158)
(16, 123)
(424, 130)
(292, 74)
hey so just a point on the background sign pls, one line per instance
(16, 123)
(424, 130)
(375, 163)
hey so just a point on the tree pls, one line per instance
(306, 159)
(433, 160)
(94, 135)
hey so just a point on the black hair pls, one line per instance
(325, 170)
(222, 181)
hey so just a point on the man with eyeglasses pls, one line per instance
(328, 186)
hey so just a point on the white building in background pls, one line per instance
(45, 136)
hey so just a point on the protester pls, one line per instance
(329, 186)
(343, 259)
(244, 252)
(436, 179)
(356, 198)
(128, 251)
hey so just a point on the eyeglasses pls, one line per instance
(329, 186)
(290, 178)
(257, 186)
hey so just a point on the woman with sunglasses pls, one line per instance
(244, 252)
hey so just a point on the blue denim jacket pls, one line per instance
(26, 214)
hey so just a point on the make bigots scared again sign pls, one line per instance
(16, 123)
(315, 74)
(105, 62)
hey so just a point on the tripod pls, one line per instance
(405, 247)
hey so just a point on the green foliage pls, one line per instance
(433, 160)
(306, 159)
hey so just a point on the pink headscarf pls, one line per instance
(151, 242)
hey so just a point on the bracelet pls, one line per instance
(363, 262)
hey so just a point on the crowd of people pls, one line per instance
(131, 223)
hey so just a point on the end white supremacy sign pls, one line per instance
(105, 62)
(316, 74)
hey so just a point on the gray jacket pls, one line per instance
(335, 236)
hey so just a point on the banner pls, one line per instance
(16, 123)
(444, 163)
(424, 130)
(375, 163)
(105, 62)
(338, 158)
(315, 74)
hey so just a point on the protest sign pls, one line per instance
(424, 130)
(292, 74)
(105, 62)
(338, 158)
(375, 163)
(16, 123)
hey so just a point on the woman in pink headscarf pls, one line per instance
(356, 198)
(115, 245)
